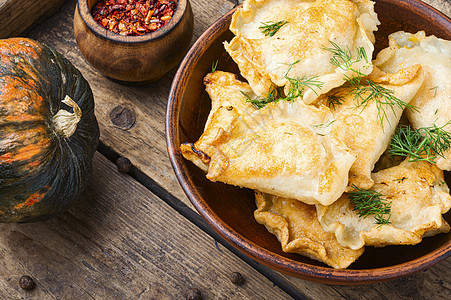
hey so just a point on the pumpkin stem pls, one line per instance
(64, 122)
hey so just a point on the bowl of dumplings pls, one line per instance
(315, 136)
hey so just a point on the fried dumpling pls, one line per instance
(433, 99)
(225, 90)
(296, 226)
(367, 121)
(281, 149)
(298, 49)
(419, 196)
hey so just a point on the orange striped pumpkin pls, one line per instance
(48, 131)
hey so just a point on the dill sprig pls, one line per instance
(298, 86)
(260, 102)
(270, 28)
(296, 89)
(435, 90)
(214, 65)
(385, 99)
(369, 202)
(290, 66)
(342, 58)
(334, 100)
(324, 125)
(423, 144)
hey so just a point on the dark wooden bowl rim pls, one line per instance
(268, 258)
(85, 12)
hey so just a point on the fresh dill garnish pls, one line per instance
(298, 86)
(435, 90)
(290, 66)
(423, 144)
(369, 202)
(384, 98)
(214, 65)
(342, 58)
(334, 100)
(324, 125)
(270, 28)
(361, 54)
(260, 102)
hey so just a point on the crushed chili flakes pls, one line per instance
(133, 17)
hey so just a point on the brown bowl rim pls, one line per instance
(258, 253)
(85, 14)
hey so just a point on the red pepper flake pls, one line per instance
(133, 17)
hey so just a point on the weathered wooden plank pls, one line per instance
(442, 5)
(17, 16)
(433, 283)
(119, 241)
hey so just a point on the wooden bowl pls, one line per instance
(229, 210)
(133, 59)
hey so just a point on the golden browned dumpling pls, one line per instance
(225, 90)
(367, 121)
(283, 149)
(418, 195)
(296, 46)
(296, 226)
(433, 99)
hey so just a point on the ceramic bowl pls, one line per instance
(133, 59)
(229, 210)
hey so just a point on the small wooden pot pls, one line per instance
(133, 59)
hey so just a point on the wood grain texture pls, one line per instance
(119, 241)
(443, 6)
(433, 283)
(17, 16)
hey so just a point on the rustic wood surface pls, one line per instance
(120, 241)
(442, 5)
(17, 16)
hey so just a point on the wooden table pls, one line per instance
(136, 235)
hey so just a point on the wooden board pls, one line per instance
(119, 241)
(442, 5)
(17, 16)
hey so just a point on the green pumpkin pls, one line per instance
(48, 131)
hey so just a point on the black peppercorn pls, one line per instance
(123, 164)
(193, 294)
(236, 278)
(26, 282)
